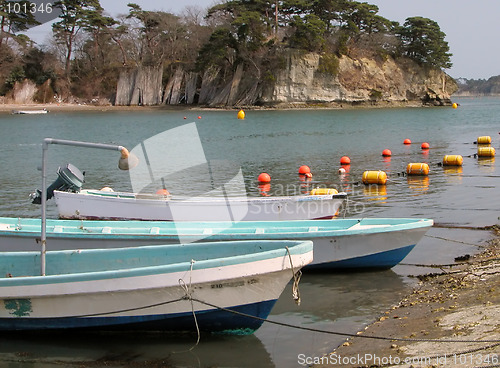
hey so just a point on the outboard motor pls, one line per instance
(69, 179)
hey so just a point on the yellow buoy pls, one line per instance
(241, 114)
(417, 168)
(485, 151)
(374, 177)
(454, 105)
(323, 191)
(453, 160)
(484, 140)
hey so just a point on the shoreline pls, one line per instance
(459, 303)
(353, 105)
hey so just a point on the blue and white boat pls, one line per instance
(371, 243)
(161, 288)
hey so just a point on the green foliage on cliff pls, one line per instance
(309, 33)
(329, 64)
(423, 41)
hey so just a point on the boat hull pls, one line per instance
(338, 244)
(100, 205)
(29, 112)
(158, 297)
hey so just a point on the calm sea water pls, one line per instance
(276, 142)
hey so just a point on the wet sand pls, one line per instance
(456, 303)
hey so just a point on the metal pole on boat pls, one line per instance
(127, 161)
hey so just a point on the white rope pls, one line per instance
(188, 295)
(296, 280)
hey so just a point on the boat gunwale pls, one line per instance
(219, 229)
(278, 249)
(200, 200)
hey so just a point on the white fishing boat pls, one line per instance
(30, 112)
(73, 202)
(161, 288)
(108, 205)
(371, 243)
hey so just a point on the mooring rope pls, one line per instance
(189, 296)
(375, 337)
(296, 279)
(454, 241)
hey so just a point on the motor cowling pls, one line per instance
(69, 178)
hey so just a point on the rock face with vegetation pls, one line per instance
(236, 53)
(360, 81)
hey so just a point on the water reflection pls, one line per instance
(130, 349)
(418, 184)
(342, 303)
(375, 192)
(486, 164)
(453, 174)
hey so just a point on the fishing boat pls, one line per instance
(30, 112)
(161, 288)
(368, 243)
(110, 205)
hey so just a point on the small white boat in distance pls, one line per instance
(159, 288)
(109, 205)
(30, 112)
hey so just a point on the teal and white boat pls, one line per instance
(371, 243)
(161, 288)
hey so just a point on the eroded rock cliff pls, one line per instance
(360, 81)
(302, 80)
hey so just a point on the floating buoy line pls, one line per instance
(414, 169)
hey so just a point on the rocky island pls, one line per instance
(237, 53)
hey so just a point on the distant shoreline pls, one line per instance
(282, 106)
(467, 95)
(79, 107)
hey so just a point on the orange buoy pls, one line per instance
(417, 169)
(199, 117)
(304, 169)
(323, 191)
(425, 146)
(163, 192)
(241, 114)
(374, 177)
(407, 141)
(453, 160)
(386, 153)
(345, 160)
(264, 178)
(485, 151)
(484, 140)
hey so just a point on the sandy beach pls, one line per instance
(459, 304)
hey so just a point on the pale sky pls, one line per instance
(472, 28)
